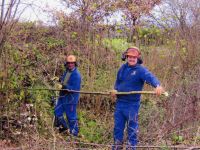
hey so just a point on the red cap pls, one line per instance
(133, 52)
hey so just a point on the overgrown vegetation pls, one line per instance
(33, 54)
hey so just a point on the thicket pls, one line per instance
(33, 54)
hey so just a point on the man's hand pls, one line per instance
(55, 79)
(113, 93)
(58, 86)
(159, 90)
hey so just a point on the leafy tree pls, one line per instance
(90, 11)
(133, 10)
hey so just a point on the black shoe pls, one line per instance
(61, 130)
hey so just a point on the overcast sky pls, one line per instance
(40, 10)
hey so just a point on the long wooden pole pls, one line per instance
(98, 93)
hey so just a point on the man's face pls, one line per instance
(70, 65)
(132, 60)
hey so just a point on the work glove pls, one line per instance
(113, 93)
(66, 91)
(159, 90)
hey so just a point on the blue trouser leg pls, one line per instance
(132, 126)
(126, 113)
(72, 118)
(119, 126)
(59, 110)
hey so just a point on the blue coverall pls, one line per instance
(129, 78)
(67, 102)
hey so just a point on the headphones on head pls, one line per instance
(124, 56)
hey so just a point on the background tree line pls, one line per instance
(32, 53)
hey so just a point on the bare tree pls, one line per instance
(177, 13)
(7, 18)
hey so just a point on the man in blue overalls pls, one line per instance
(67, 102)
(130, 77)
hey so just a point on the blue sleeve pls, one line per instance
(117, 81)
(149, 78)
(74, 83)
